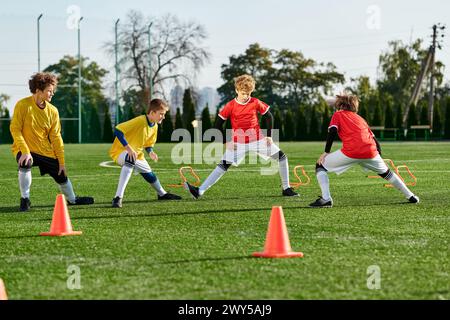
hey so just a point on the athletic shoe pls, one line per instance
(81, 201)
(321, 203)
(169, 196)
(414, 199)
(289, 192)
(117, 202)
(25, 204)
(193, 190)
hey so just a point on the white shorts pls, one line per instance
(259, 147)
(339, 163)
(140, 166)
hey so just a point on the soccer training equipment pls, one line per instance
(295, 185)
(184, 179)
(321, 203)
(61, 225)
(25, 204)
(389, 162)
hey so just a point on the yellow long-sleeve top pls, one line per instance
(37, 130)
(139, 133)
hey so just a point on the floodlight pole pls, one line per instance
(116, 49)
(39, 42)
(79, 83)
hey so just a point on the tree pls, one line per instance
(326, 119)
(314, 127)
(437, 120)
(176, 52)
(167, 128)
(302, 126)
(206, 119)
(412, 116)
(178, 120)
(278, 124)
(377, 119)
(5, 134)
(188, 112)
(289, 126)
(389, 116)
(94, 128)
(423, 107)
(283, 78)
(447, 117)
(107, 128)
(66, 98)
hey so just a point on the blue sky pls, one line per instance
(345, 32)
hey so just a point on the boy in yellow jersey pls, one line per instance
(131, 139)
(36, 131)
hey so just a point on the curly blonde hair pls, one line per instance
(347, 102)
(245, 83)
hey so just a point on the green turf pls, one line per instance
(202, 249)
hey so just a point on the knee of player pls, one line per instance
(25, 167)
(320, 167)
(150, 177)
(129, 162)
(280, 156)
(61, 179)
(387, 175)
(224, 165)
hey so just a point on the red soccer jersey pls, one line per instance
(244, 119)
(357, 138)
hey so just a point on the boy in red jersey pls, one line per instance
(359, 146)
(246, 137)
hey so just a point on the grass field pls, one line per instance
(202, 249)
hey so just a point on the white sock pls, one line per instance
(211, 180)
(322, 178)
(125, 175)
(25, 182)
(399, 184)
(284, 173)
(159, 189)
(67, 190)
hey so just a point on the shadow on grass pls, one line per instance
(204, 260)
(15, 209)
(22, 237)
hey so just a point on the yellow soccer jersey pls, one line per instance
(139, 135)
(37, 130)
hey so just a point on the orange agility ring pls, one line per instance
(184, 179)
(300, 182)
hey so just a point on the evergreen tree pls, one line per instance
(167, 128)
(302, 127)
(278, 124)
(363, 112)
(289, 126)
(206, 120)
(178, 120)
(107, 128)
(326, 119)
(437, 120)
(399, 123)
(423, 106)
(188, 112)
(5, 135)
(94, 133)
(314, 127)
(377, 119)
(447, 118)
(389, 118)
(412, 116)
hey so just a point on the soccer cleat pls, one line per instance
(321, 203)
(192, 190)
(289, 192)
(169, 196)
(117, 202)
(81, 201)
(414, 199)
(25, 204)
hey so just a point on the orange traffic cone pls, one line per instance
(61, 225)
(3, 295)
(277, 240)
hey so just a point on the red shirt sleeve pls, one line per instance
(335, 121)
(225, 112)
(262, 108)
